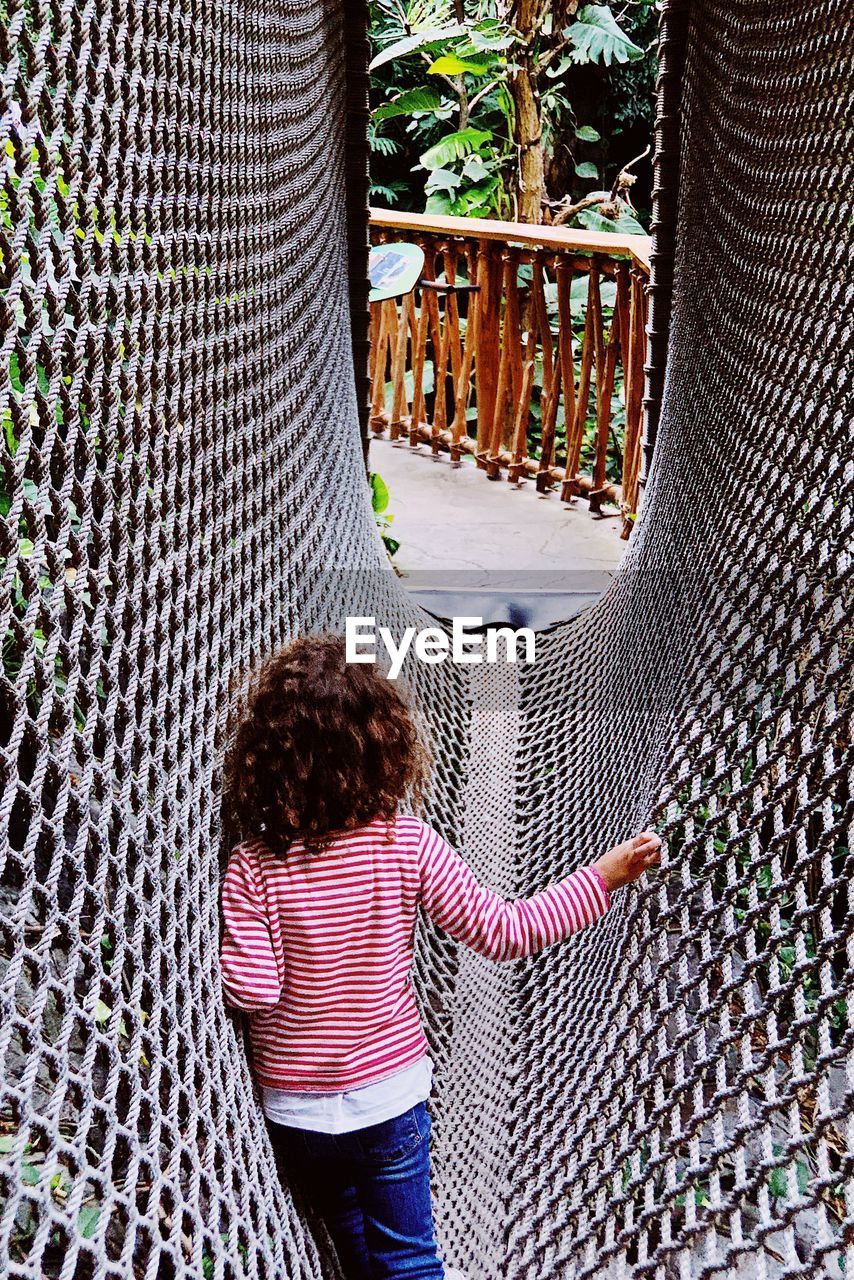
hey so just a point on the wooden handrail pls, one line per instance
(557, 239)
(517, 379)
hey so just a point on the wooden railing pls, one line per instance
(501, 353)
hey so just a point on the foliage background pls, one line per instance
(452, 129)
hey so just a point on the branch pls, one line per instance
(625, 178)
(481, 93)
(458, 87)
(609, 205)
(549, 56)
(567, 211)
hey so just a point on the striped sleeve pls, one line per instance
(500, 930)
(250, 974)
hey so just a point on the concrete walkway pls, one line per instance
(460, 533)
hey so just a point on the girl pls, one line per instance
(320, 903)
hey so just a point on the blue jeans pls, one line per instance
(371, 1187)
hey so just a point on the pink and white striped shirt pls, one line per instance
(318, 946)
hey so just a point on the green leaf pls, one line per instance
(625, 225)
(379, 493)
(587, 170)
(596, 37)
(478, 200)
(442, 180)
(454, 147)
(15, 373)
(409, 103)
(578, 294)
(87, 1220)
(102, 1011)
(474, 169)
(777, 1184)
(385, 193)
(587, 134)
(383, 146)
(411, 44)
(438, 202)
(802, 1171)
(559, 69)
(448, 64)
(491, 36)
(9, 432)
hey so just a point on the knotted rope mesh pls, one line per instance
(670, 1094)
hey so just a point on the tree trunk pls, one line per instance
(527, 128)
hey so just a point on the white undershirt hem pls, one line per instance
(350, 1109)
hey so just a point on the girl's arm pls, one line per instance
(250, 974)
(500, 930)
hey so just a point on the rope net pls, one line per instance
(668, 1096)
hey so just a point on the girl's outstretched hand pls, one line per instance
(625, 862)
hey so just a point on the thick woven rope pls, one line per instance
(671, 1094)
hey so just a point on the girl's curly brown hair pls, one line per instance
(321, 746)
